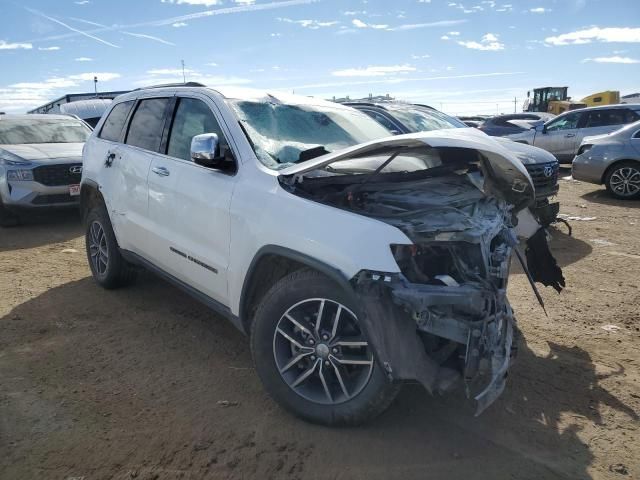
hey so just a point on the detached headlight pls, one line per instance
(20, 175)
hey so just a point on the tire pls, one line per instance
(107, 266)
(7, 218)
(629, 172)
(345, 393)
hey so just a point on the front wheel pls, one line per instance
(623, 180)
(312, 355)
(108, 267)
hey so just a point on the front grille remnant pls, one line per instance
(544, 176)
(56, 175)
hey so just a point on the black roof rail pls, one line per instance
(169, 85)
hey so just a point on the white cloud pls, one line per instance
(597, 34)
(179, 24)
(170, 75)
(379, 71)
(70, 28)
(84, 59)
(413, 26)
(488, 42)
(48, 49)
(311, 24)
(238, 8)
(206, 3)
(82, 2)
(275, 35)
(418, 57)
(354, 12)
(23, 96)
(397, 80)
(613, 59)
(149, 37)
(539, 10)
(169, 71)
(453, 34)
(360, 24)
(14, 46)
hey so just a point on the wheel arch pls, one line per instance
(613, 165)
(275, 262)
(89, 197)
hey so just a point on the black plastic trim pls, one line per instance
(331, 272)
(197, 294)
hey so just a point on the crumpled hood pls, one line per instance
(505, 170)
(45, 151)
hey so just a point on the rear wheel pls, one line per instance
(623, 180)
(312, 355)
(108, 267)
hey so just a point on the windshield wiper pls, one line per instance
(312, 153)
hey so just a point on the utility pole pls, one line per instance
(95, 86)
(184, 78)
(515, 104)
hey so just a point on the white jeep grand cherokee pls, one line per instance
(355, 261)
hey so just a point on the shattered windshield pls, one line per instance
(419, 119)
(283, 134)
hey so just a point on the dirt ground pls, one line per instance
(146, 383)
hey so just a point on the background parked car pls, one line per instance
(563, 135)
(612, 160)
(473, 120)
(401, 117)
(88, 110)
(502, 125)
(40, 163)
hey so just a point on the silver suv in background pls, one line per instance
(612, 160)
(562, 135)
(40, 163)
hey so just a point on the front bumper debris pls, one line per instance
(433, 333)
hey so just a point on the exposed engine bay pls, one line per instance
(445, 317)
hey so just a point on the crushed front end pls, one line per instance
(449, 301)
(444, 318)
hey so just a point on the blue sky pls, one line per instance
(474, 56)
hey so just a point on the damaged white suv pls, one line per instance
(353, 260)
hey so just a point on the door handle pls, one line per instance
(569, 135)
(111, 156)
(163, 172)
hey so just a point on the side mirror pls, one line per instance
(205, 151)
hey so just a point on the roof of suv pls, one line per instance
(241, 93)
(394, 104)
(633, 106)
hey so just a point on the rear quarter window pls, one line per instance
(113, 125)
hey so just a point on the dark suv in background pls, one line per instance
(399, 118)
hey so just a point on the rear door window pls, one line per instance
(113, 125)
(606, 118)
(145, 129)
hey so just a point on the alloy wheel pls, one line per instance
(321, 353)
(625, 181)
(98, 249)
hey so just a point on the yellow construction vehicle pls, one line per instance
(551, 100)
(610, 97)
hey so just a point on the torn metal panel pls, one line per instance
(446, 316)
